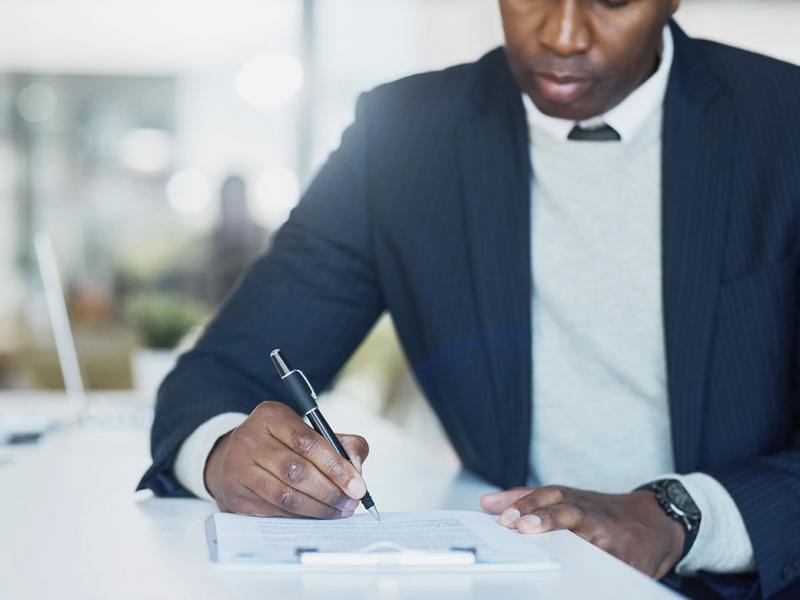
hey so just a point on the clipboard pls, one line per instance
(387, 554)
(380, 556)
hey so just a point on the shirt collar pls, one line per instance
(628, 116)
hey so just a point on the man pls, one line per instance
(588, 242)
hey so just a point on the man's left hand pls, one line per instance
(632, 527)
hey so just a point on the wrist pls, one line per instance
(212, 473)
(667, 528)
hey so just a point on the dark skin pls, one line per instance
(632, 527)
(274, 465)
(578, 59)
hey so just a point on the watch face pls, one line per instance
(678, 496)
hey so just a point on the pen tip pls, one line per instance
(374, 512)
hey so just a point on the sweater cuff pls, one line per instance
(722, 544)
(190, 464)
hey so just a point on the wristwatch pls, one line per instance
(678, 504)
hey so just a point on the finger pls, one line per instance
(287, 498)
(306, 442)
(528, 503)
(551, 518)
(356, 447)
(541, 497)
(245, 501)
(497, 502)
(249, 503)
(296, 472)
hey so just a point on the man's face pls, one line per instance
(579, 58)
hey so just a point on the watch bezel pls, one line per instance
(682, 509)
(681, 500)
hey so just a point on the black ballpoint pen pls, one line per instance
(306, 399)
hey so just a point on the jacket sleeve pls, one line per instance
(767, 493)
(315, 295)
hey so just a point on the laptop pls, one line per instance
(27, 416)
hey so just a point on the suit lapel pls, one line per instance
(495, 172)
(697, 172)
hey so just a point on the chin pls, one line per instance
(572, 111)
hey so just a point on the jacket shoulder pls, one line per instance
(756, 81)
(439, 96)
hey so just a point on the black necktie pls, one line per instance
(605, 133)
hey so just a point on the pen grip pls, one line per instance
(321, 426)
(298, 389)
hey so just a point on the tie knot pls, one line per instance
(601, 133)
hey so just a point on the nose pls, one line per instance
(565, 28)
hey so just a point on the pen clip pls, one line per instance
(308, 383)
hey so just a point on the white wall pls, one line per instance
(771, 27)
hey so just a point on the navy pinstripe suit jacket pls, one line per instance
(424, 211)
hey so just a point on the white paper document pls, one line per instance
(460, 539)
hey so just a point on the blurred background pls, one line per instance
(161, 143)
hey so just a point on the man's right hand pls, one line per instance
(274, 464)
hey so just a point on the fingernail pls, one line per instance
(509, 517)
(347, 514)
(529, 523)
(350, 505)
(356, 488)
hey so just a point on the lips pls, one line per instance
(561, 88)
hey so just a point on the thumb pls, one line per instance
(357, 448)
(497, 502)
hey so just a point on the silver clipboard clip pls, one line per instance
(387, 554)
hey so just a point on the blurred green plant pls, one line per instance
(163, 319)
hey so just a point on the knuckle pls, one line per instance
(287, 499)
(295, 472)
(303, 442)
(557, 493)
(270, 410)
(264, 408)
(333, 468)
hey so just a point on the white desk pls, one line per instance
(72, 527)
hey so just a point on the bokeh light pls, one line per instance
(36, 102)
(189, 191)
